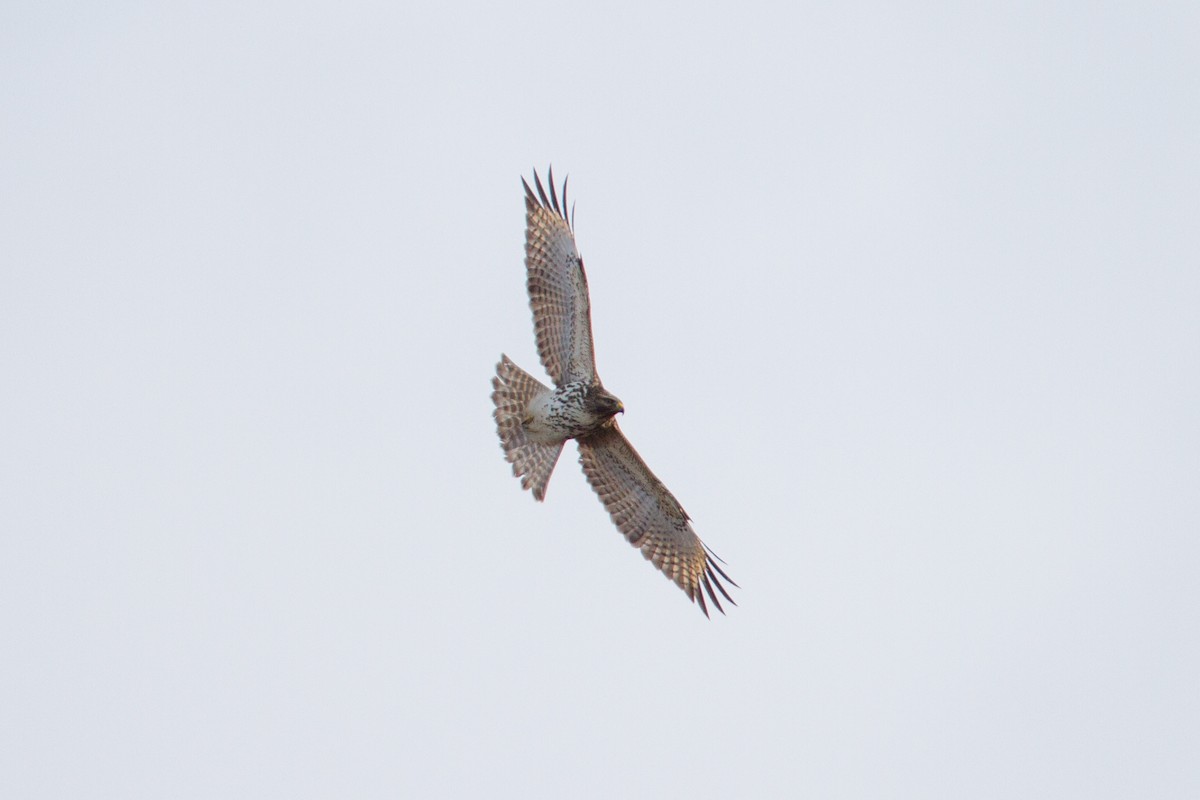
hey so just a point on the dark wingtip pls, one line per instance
(704, 581)
(530, 198)
(712, 564)
(553, 195)
(541, 190)
(709, 582)
(549, 201)
(710, 574)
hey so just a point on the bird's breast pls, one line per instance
(561, 414)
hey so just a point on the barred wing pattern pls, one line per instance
(558, 290)
(649, 516)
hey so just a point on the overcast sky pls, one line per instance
(903, 303)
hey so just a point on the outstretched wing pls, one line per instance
(558, 291)
(649, 515)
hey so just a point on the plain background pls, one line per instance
(902, 300)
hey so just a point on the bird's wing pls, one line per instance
(650, 516)
(558, 290)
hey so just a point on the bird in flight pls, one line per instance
(534, 421)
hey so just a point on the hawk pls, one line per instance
(534, 421)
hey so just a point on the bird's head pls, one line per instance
(603, 404)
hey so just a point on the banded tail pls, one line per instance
(532, 461)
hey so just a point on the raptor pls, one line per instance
(534, 421)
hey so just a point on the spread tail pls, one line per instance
(532, 461)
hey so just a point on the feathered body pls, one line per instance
(572, 410)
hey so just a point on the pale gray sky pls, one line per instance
(902, 301)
